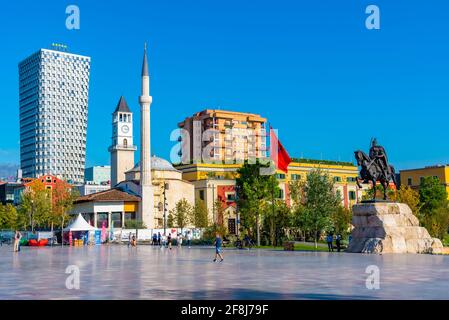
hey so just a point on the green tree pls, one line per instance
(200, 214)
(341, 220)
(8, 217)
(218, 212)
(410, 197)
(432, 194)
(170, 221)
(35, 206)
(296, 189)
(254, 189)
(320, 204)
(63, 197)
(437, 222)
(182, 214)
(277, 221)
(434, 212)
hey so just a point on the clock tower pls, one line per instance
(122, 148)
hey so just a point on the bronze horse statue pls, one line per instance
(372, 171)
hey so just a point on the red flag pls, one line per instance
(277, 153)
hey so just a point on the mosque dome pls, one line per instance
(157, 164)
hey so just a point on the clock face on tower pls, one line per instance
(125, 129)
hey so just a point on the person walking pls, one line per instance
(218, 249)
(129, 239)
(189, 239)
(134, 241)
(159, 239)
(169, 241)
(17, 238)
(329, 240)
(338, 242)
(154, 242)
(179, 240)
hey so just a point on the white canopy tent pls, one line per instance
(79, 224)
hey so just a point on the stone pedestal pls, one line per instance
(387, 227)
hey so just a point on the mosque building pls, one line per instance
(146, 191)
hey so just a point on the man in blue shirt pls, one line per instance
(218, 243)
(329, 240)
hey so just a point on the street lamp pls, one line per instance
(166, 187)
(237, 212)
(210, 185)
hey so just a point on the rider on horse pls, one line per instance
(378, 155)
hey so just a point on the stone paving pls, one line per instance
(145, 272)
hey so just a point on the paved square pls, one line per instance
(145, 272)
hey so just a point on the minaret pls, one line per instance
(146, 187)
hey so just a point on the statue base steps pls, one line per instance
(387, 227)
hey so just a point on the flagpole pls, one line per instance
(272, 188)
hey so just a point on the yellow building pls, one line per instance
(217, 182)
(413, 177)
(222, 135)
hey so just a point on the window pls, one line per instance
(102, 218)
(280, 194)
(351, 195)
(130, 216)
(280, 176)
(116, 219)
(409, 181)
(125, 143)
(421, 180)
(351, 179)
(296, 177)
(337, 179)
(230, 196)
(202, 195)
(231, 226)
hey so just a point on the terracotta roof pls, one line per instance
(108, 195)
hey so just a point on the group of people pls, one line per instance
(163, 241)
(330, 242)
(167, 241)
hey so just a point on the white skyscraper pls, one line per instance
(54, 93)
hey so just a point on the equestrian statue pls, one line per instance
(375, 167)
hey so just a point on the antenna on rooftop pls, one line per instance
(59, 47)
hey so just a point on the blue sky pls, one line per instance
(311, 67)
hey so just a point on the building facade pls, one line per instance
(91, 188)
(217, 182)
(168, 188)
(98, 175)
(413, 177)
(54, 93)
(8, 192)
(48, 182)
(219, 135)
(111, 208)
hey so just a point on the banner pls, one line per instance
(126, 232)
(97, 237)
(144, 234)
(44, 235)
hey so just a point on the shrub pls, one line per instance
(134, 224)
(209, 232)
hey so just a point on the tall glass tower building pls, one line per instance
(53, 93)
